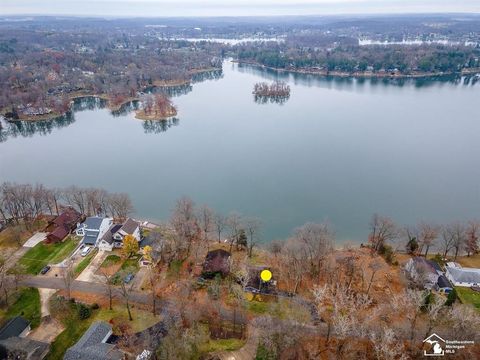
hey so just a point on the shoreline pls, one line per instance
(79, 95)
(358, 74)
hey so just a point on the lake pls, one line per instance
(338, 150)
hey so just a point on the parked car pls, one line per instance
(86, 251)
(45, 269)
(129, 277)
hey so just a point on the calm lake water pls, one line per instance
(338, 150)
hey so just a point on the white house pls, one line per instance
(93, 229)
(460, 276)
(113, 237)
(129, 227)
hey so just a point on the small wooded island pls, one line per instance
(156, 107)
(278, 92)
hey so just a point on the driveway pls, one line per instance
(139, 278)
(89, 273)
(35, 239)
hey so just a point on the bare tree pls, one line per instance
(126, 290)
(453, 236)
(206, 220)
(276, 247)
(68, 275)
(374, 268)
(317, 243)
(5, 283)
(410, 304)
(108, 280)
(427, 236)
(471, 237)
(185, 222)
(220, 225)
(382, 230)
(252, 227)
(234, 223)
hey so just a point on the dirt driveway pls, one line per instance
(49, 328)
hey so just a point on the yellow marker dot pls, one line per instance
(266, 275)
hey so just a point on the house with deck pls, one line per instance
(113, 238)
(63, 225)
(93, 229)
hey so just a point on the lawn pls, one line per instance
(27, 304)
(141, 319)
(65, 312)
(468, 296)
(42, 254)
(111, 260)
(129, 266)
(15, 235)
(221, 345)
(84, 263)
(469, 261)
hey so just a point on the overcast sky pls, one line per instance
(159, 8)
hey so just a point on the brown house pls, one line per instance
(216, 262)
(62, 225)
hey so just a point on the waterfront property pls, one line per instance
(424, 272)
(62, 225)
(93, 229)
(113, 237)
(460, 276)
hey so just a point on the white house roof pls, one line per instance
(465, 275)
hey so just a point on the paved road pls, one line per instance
(83, 286)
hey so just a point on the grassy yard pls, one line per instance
(26, 304)
(469, 261)
(15, 235)
(131, 263)
(141, 319)
(222, 345)
(111, 260)
(84, 263)
(42, 254)
(66, 313)
(468, 296)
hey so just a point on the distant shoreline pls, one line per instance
(360, 74)
(165, 84)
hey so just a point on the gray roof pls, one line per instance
(129, 226)
(92, 345)
(465, 275)
(33, 349)
(108, 237)
(427, 265)
(14, 327)
(93, 222)
(443, 282)
(90, 238)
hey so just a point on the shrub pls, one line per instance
(83, 311)
(452, 297)
(95, 306)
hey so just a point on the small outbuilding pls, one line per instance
(216, 262)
